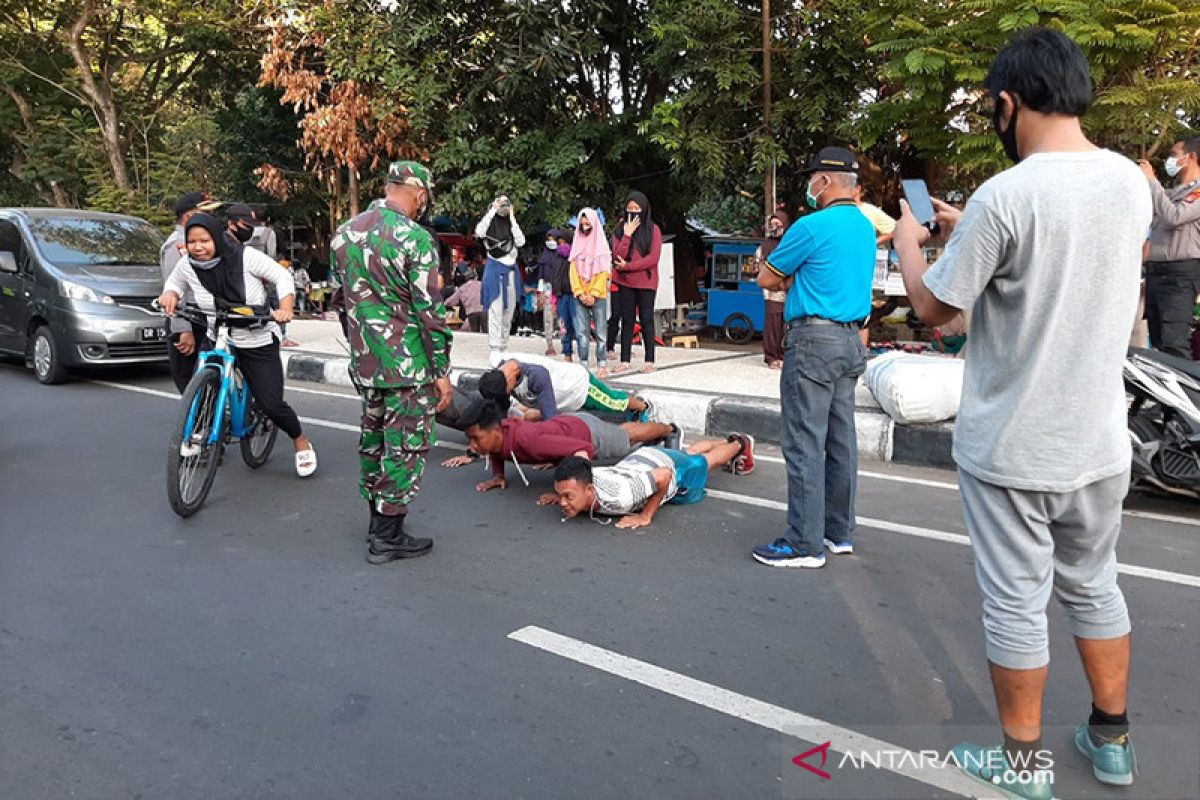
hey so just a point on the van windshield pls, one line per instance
(77, 241)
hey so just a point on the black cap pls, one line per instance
(239, 212)
(190, 202)
(834, 159)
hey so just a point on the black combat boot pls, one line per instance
(389, 542)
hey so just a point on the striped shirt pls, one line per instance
(625, 487)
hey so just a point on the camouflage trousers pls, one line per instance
(397, 431)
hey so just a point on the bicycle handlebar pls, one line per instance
(234, 314)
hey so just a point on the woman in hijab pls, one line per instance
(777, 225)
(636, 245)
(591, 267)
(219, 272)
(501, 237)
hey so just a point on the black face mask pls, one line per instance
(633, 216)
(1008, 136)
(242, 234)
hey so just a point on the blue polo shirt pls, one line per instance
(832, 255)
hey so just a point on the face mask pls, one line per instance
(1172, 166)
(551, 244)
(1008, 136)
(243, 235)
(633, 216)
(564, 250)
(811, 198)
(204, 265)
(585, 231)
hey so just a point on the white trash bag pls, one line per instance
(914, 389)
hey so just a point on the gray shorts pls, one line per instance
(1029, 544)
(611, 441)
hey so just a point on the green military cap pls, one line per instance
(410, 173)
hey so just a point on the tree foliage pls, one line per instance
(122, 104)
(1143, 56)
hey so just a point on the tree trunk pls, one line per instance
(354, 191)
(97, 88)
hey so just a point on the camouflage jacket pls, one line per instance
(387, 266)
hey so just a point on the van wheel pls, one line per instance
(47, 365)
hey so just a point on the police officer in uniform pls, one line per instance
(387, 265)
(1173, 265)
(826, 261)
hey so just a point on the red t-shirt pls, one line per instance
(546, 442)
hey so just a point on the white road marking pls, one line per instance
(139, 389)
(766, 715)
(953, 487)
(343, 395)
(1180, 578)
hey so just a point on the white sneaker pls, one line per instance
(839, 548)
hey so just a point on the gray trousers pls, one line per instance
(500, 318)
(1029, 544)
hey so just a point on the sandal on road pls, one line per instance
(306, 462)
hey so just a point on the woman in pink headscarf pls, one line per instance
(591, 268)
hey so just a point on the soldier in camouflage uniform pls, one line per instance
(387, 266)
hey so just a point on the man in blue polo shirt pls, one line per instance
(828, 260)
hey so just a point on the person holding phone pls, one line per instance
(636, 246)
(502, 237)
(1041, 440)
(829, 258)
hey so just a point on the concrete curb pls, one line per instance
(879, 437)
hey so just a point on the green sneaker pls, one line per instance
(989, 766)
(1112, 762)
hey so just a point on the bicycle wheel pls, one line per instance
(192, 464)
(259, 438)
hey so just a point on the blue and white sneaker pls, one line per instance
(989, 766)
(780, 553)
(845, 548)
(1113, 762)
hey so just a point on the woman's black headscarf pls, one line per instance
(643, 237)
(226, 280)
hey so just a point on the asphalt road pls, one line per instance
(252, 652)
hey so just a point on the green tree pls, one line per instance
(1143, 57)
(712, 119)
(537, 99)
(114, 102)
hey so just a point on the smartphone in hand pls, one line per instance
(917, 195)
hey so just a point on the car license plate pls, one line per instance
(153, 334)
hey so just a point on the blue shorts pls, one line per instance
(691, 476)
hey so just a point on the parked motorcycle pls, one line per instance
(1164, 421)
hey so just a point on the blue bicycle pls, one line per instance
(216, 408)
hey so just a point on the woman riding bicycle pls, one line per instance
(221, 273)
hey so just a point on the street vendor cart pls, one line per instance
(735, 303)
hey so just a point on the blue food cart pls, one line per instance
(735, 303)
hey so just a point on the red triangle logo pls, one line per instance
(823, 749)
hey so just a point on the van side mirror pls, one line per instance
(8, 261)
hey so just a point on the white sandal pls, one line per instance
(306, 462)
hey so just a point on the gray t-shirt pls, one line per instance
(1048, 254)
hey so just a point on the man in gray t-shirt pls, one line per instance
(1047, 255)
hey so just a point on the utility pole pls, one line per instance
(769, 178)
